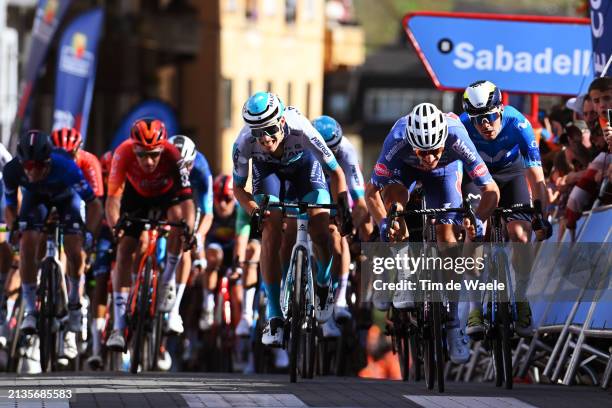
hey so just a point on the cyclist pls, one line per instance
(505, 140)
(101, 271)
(200, 179)
(48, 178)
(6, 253)
(431, 147)
(346, 155)
(147, 173)
(288, 156)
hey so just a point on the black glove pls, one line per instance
(256, 219)
(344, 212)
(542, 224)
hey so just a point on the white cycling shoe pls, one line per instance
(69, 350)
(323, 312)
(403, 299)
(167, 296)
(174, 324)
(243, 329)
(116, 341)
(458, 346)
(331, 329)
(273, 332)
(207, 319)
(342, 313)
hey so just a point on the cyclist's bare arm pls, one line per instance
(205, 224)
(188, 211)
(392, 193)
(338, 182)
(10, 215)
(245, 199)
(537, 183)
(94, 215)
(112, 209)
(489, 197)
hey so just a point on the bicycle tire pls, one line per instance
(46, 335)
(138, 336)
(505, 336)
(156, 339)
(295, 314)
(415, 367)
(498, 363)
(403, 354)
(438, 343)
(429, 357)
(309, 349)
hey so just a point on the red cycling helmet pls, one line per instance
(68, 139)
(105, 162)
(148, 133)
(223, 187)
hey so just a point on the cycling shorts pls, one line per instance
(442, 188)
(35, 208)
(104, 258)
(302, 180)
(138, 206)
(513, 189)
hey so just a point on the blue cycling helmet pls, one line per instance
(330, 129)
(262, 109)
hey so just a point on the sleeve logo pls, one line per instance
(479, 171)
(382, 170)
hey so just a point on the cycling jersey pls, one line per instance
(399, 164)
(90, 166)
(515, 140)
(346, 155)
(300, 137)
(201, 184)
(5, 157)
(169, 175)
(64, 180)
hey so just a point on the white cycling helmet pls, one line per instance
(426, 128)
(186, 146)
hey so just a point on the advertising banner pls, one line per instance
(601, 32)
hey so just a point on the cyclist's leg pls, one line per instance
(267, 182)
(214, 259)
(249, 279)
(444, 190)
(101, 272)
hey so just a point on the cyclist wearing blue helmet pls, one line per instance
(287, 157)
(346, 155)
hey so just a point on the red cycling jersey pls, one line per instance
(168, 175)
(92, 170)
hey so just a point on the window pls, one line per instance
(250, 11)
(384, 105)
(226, 92)
(289, 93)
(308, 97)
(290, 11)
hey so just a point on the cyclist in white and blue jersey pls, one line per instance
(346, 155)
(505, 140)
(200, 178)
(287, 155)
(431, 147)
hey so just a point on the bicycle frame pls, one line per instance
(152, 235)
(302, 241)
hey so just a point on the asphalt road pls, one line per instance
(237, 390)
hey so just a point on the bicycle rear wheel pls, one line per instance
(139, 320)
(505, 334)
(47, 333)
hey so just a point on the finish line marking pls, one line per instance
(430, 401)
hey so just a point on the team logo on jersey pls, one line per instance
(479, 171)
(322, 146)
(524, 125)
(382, 170)
(460, 147)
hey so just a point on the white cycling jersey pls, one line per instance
(348, 161)
(5, 157)
(300, 136)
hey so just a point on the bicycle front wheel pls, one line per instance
(297, 310)
(505, 334)
(47, 332)
(142, 311)
(436, 309)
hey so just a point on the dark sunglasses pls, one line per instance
(267, 131)
(152, 154)
(225, 199)
(489, 117)
(421, 154)
(30, 165)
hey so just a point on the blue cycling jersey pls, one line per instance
(201, 183)
(398, 157)
(515, 139)
(64, 179)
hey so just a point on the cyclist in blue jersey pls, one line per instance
(431, 147)
(48, 178)
(505, 140)
(288, 156)
(346, 155)
(200, 178)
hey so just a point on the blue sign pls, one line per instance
(76, 70)
(151, 108)
(517, 53)
(601, 30)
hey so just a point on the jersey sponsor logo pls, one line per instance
(396, 147)
(322, 147)
(382, 170)
(460, 147)
(534, 144)
(184, 172)
(479, 171)
(524, 125)
(236, 154)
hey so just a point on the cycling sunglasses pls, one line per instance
(30, 165)
(225, 199)
(267, 131)
(489, 117)
(421, 154)
(153, 154)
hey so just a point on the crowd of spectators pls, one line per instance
(576, 144)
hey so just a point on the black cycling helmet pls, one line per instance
(34, 145)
